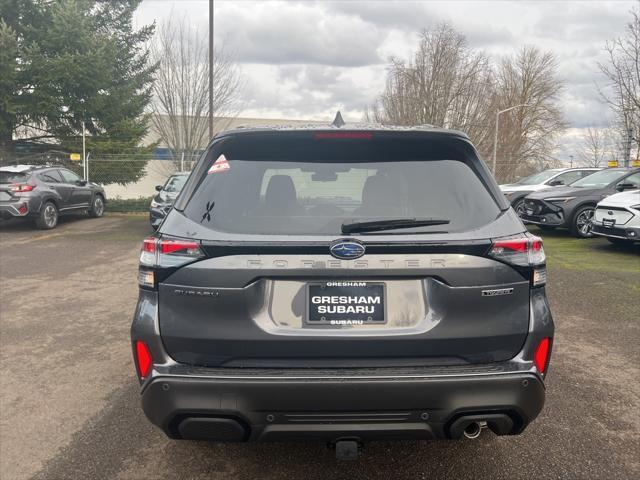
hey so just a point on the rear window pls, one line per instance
(12, 177)
(314, 190)
(175, 183)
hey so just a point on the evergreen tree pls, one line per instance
(65, 61)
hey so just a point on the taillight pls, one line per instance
(143, 359)
(522, 252)
(541, 355)
(180, 247)
(21, 187)
(158, 253)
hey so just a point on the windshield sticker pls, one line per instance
(220, 165)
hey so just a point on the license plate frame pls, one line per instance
(346, 288)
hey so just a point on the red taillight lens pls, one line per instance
(179, 247)
(522, 252)
(158, 253)
(525, 251)
(149, 244)
(541, 355)
(148, 252)
(21, 187)
(143, 359)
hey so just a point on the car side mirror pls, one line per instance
(555, 183)
(158, 188)
(81, 183)
(625, 186)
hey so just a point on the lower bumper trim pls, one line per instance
(263, 410)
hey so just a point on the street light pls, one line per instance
(495, 138)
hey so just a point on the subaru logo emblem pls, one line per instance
(347, 249)
(609, 212)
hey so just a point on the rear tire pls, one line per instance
(581, 223)
(97, 206)
(48, 216)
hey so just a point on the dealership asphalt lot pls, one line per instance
(69, 405)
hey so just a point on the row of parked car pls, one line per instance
(587, 201)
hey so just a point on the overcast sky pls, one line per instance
(307, 59)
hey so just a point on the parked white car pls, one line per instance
(617, 217)
(515, 192)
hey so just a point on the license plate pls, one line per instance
(345, 303)
(529, 211)
(4, 196)
(608, 222)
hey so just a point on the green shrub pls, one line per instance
(140, 204)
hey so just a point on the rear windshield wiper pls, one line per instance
(391, 224)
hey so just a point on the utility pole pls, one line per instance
(571, 161)
(210, 69)
(84, 151)
(495, 137)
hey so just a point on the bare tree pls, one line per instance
(596, 149)
(622, 70)
(528, 136)
(181, 98)
(446, 84)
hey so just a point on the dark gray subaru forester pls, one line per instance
(343, 285)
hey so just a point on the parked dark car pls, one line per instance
(45, 193)
(573, 207)
(554, 177)
(163, 200)
(341, 285)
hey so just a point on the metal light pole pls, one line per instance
(495, 138)
(84, 150)
(210, 69)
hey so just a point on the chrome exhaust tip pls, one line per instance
(473, 430)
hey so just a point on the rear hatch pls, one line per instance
(270, 257)
(8, 181)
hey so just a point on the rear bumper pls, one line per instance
(260, 404)
(328, 408)
(15, 209)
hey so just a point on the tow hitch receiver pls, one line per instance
(347, 449)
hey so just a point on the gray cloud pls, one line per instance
(305, 59)
(297, 33)
(582, 21)
(394, 14)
